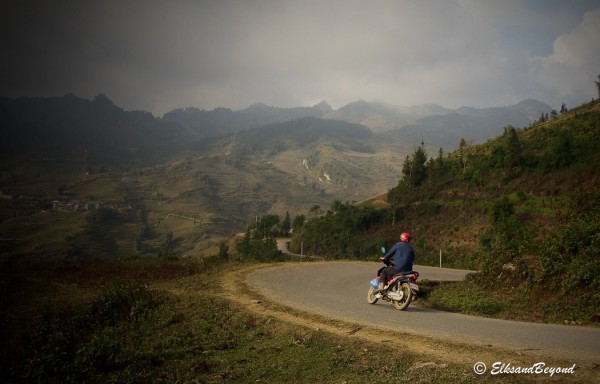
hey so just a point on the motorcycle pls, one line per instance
(399, 289)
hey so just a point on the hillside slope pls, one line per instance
(524, 209)
(183, 206)
(222, 121)
(539, 169)
(167, 185)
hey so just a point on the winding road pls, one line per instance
(338, 290)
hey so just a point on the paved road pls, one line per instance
(339, 290)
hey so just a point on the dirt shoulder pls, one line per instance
(433, 350)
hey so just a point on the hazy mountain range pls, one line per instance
(221, 167)
(349, 153)
(70, 125)
(433, 124)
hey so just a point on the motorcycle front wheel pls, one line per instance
(406, 296)
(371, 299)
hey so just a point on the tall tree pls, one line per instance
(407, 169)
(419, 172)
(286, 225)
(298, 222)
(462, 147)
(316, 209)
(563, 108)
(414, 170)
(513, 150)
(439, 163)
(265, 225)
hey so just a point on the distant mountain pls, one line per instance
(99, 134)
(293, 165)
(94, 132)
(324, 107)
(438, 126)
(222, 121)
(432, 124)
(381, 117)
(300, 133)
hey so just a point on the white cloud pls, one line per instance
(158, 56)
(569, 72)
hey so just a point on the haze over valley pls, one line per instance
(213, 172)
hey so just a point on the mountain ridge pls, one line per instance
(64, 120)
(72, 152)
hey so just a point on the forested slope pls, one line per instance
(523, 208)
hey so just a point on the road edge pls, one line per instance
(236, 289)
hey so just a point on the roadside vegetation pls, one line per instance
(521, 209)
(168, 321)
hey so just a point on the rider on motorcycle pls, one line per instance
(404, 255)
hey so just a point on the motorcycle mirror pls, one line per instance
(382, 249)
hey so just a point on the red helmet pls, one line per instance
(405, 237)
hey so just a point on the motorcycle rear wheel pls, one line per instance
(406, 299)
(371, 299)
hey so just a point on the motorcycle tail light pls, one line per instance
(414, 277)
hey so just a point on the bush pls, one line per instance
(573, 248)
(251, 249)
(68, 347)
(119, 303)
(465, 296)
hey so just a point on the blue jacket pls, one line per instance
(404, 255)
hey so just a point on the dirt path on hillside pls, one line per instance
(433, 350)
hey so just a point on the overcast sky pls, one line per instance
(161, 55)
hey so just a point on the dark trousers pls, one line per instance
(389, 271)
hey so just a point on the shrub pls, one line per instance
(120, 303)
(67, 347)
(465, 296)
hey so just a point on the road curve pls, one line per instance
(338, 290)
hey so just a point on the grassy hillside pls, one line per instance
(137, 321)
(521, 208)
(187, 205)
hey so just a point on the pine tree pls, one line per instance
(462, 155)
(419, 171)
(407, 169)
(542, 118)
(514, 150)
(439, 163)
(563, 108)
(414, 170)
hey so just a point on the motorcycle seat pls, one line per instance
(406, 273)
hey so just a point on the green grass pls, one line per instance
(465, 297)
(513, 301)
